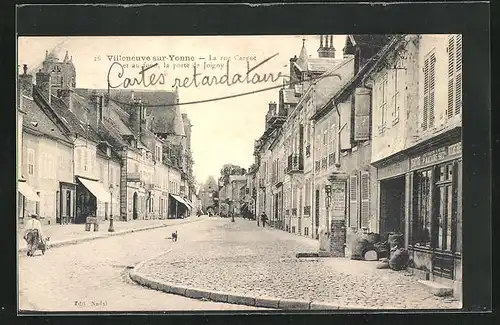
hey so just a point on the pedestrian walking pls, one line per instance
(263, 218)
(33, 235)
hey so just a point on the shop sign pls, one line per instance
(436, 155)
(393, 169)
(338, 198)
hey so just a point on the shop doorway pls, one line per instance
(134, 206)
(392, 206)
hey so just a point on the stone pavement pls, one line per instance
(247, 260)
(61, 235)
(94, 275)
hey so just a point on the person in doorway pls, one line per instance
(263, 218)
(33, 234)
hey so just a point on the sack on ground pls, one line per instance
(399, 259)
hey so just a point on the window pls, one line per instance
(84, 159)
(31, 161)
(293, 229)
(429, 85)
(454, 75)
(421, 223)
(382, 97)
(398, 85)
(306, 231)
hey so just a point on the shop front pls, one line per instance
(66, 203)
(435, 242)
(392, 188)
(178, 207)
(27, 193)
(90, 194)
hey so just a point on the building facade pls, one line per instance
(92, 153)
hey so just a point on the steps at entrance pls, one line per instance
(437, 289)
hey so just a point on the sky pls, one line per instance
(223, 130)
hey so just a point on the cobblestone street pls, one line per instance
(93, 276)
(245, 259)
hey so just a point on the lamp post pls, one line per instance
(111, 227)
(328, 192)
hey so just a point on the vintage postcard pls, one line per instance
(277, 172)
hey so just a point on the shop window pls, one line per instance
(421, 223)
(435, 203)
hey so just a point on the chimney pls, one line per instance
(135, 116)
(26, 83)
(43, 83)
(272, 108)
(95, 113)
(65, 95)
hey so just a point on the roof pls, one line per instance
(160, 104)
(318, 64)
(44, 125)
(76, 124)
(366, 42)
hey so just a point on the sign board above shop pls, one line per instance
(437, 155)
(402, 165)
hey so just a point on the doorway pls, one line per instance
(134, 206)
(392, 206)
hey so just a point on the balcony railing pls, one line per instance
(295, 163)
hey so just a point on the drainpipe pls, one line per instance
(313, 185)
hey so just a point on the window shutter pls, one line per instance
(362, 105)
(353, 201)
(345, 125)
(365, 199)
(432, 81)
(458, 75)
(426, 94)
(451, 76)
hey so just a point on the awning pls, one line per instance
(180, 200)
(96, 188)
(27, 191)
(190, 204)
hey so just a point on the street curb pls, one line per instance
(232, 298)
(111, 234)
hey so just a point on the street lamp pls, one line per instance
(328, 196)
(111, 227)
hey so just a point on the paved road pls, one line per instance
(243, 258)
(93, 276)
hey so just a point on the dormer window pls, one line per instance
(108, 151)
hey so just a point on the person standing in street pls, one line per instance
(263, 218)
(33, 234)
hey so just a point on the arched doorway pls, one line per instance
(134, 206)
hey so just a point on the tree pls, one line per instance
(228, 170)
